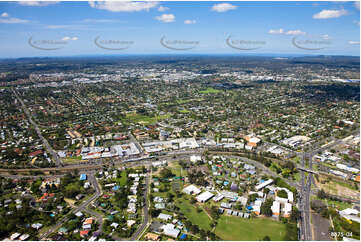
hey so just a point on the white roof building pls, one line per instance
(37, 226)
(192, 190)
(264, 184)
(14, 236)
(79, 214)
(165, 217)
(204, 197)
(258, 202)
(290, 196)
(281, 200)
(242, 200)
(254, 140)
(170, 230)
(256, 209)
(24, 237)
(276, 208)
(195, 158)
(218, 198)
(287, 209)
(114, 225)
(350, 214)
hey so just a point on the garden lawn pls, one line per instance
(235, 228)
(201, 219)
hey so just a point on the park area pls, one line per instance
(235, 228)
(143, 119)
(197, 218)
(209, 90)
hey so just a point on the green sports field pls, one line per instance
(235, 228)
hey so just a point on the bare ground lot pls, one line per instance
(337, 188)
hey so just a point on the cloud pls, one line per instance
(326, 14)
(89, 20)
(166, 18)
(276, 31)
(189, 21)
(354, 42)
(57, 26)
(5, 19)
(223, 7)
(69, 38)
(37, 3)
(67, 26)
(295, 32)
(162, 9)
(13, 21)
(325, 36)
(123, 6)
(356, 22)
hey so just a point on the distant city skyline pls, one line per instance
(36, 29)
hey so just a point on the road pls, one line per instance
(265, 169)
(304, 201)
(137, 144)
(98, 217)
(99, 164)
(82, 206)
(306, 189)
(305, 186)
(136, 234)
(46, 144)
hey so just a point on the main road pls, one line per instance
(141, 228)
(82, 207)
(46, 144)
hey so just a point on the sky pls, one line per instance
(35, 28)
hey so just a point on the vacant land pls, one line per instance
(201, 219)
(234, 228)
(177, 169)
(338, 205)
(337, 187)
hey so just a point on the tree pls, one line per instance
(214, 212)
(321, 194)
(266, 208)
(282, 193)
(194, 228)
(155, 212)
(295, 214)
(252, 198)
(166, 173)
